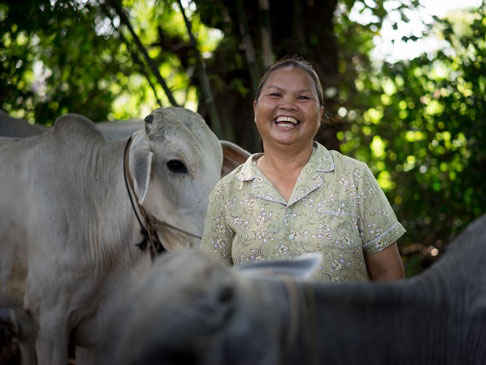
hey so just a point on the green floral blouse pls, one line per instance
(336, 208)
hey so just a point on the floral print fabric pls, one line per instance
(336, 208)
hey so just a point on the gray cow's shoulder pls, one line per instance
(463, 259)
(473, 235)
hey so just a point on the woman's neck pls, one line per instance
(283, 168)
(284, 160)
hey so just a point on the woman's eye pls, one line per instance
(303, 97)
(177, 166)
(275, 94)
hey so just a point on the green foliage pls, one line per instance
(56, 43)
(73, 56)
(425, 137)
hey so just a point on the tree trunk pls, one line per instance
(314, 41)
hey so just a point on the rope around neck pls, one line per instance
(155, 247)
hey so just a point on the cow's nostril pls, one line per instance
(225, 295)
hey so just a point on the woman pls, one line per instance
(297, 196)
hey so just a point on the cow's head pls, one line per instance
(176, 161)
(189, 309)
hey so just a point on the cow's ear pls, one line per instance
(233, 156)
(142, 168)
(301, 267)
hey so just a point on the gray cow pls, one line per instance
(207, 314)
(71, 239)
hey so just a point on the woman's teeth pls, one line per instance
(286, 122)
(285, 125)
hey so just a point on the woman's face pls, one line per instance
(287, 111)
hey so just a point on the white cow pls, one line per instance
(68, 231)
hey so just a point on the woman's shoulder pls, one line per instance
(231, 181)
(349, 167)
(343, 162)
(232, 176)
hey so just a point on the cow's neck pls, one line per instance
(121, 231)
(378, 322)
(112, 238)
(437, 317)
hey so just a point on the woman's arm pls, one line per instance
(385, 265)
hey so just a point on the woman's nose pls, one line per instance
(287, 105)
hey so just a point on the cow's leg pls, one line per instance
(27, 354)
(52, 339)
(27, 337)
(84, 356)
(50, 312)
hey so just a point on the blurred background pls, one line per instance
(404, 83)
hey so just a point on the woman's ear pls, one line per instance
(254, 110)
(321, 114)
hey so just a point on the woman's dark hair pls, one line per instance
(293, 61)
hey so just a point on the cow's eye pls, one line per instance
(177, 166)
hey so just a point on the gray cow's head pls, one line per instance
(175, 161)
(190, 309)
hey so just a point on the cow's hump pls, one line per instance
(75, 124)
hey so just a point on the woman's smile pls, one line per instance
(285, 122)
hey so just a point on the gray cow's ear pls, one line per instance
(142, 164)
(301, 267)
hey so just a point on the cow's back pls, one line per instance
(16, 127)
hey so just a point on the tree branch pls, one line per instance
(204, 80)
(124, 19)
(249, 48)
(134, 55)
(265, 32)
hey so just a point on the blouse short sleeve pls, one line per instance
(377, 222)
(218, 236)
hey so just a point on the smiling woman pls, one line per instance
(297, 196)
